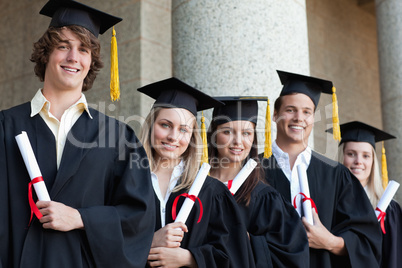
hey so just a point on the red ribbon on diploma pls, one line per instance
(305, 199)
(34, 208)
(192, 197)
(381, 217)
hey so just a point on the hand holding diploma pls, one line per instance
(34, 172)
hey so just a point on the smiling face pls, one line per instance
(68, 64)
(294, 119)
(358, 158)
(171, 134)
(234, 140)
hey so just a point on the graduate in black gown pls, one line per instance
(345, 232)
(276, 232)
(357, 152)
(213, 235)
(102, 208)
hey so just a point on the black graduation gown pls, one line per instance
(220, 238)
(277, 235)
(392, 239)
(343, 208)
(101, 174)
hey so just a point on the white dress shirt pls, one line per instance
(302, 159)
(177, 171)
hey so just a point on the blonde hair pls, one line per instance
(374, 187)
(191, 157)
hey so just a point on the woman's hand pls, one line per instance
(170, 257)
(170, 235)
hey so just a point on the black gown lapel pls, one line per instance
(81, 138)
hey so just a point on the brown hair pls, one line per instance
(53, 36)
(279, 100)
(244, 193)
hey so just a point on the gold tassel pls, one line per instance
(268, 139)
(114, 69)
(204, 157)
(384, 168)
(335, 116)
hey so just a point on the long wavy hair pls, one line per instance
(191, 157)
(52, 37)
(374, 187)
(244, 193)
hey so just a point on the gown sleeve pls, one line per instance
(392, 239)
(355, 221)
(274, 221)
(124, 227)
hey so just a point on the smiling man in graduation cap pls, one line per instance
(345, 233)
(102, 208)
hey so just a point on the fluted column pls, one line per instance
(230, 47)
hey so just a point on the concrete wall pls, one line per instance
(343, 49)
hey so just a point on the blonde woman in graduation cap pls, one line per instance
(357, 152)
(276, 232)
(213, 235)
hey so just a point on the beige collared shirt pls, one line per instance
(40, 105)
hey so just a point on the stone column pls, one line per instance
(234, 47)
(389, 24)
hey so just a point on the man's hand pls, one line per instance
(320, 238)
(59, 217)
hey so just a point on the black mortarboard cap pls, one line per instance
(69, 12)
(173, 93)
(237, 108)
(361, 132)
(310, 86)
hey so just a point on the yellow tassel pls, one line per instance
(384, 168)
(335, 117)
(204, 157)
(114, 70)
(268, 139)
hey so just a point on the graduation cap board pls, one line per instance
(360, 132)
(173, 93)
(69, 12)
(312, 87)
(237, 108)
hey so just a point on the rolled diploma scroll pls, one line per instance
(387, 197)
(243, 175)
(303, 181)
(32, 165)
(194, 190)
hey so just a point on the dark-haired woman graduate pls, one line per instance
(276, 232)
(357, 153)
(213, 235)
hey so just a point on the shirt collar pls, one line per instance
(305, 156)
(40, 102)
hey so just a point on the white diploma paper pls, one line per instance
(303, 181)
(194, 190)
(387, 197)
(243, 175)
(32, 165)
